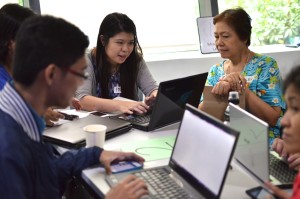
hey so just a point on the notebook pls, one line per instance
(71, 134)
(199, 162)
(253, 152)
(170, 101)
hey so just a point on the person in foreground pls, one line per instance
(256, 75)
(291, 125)
(117, 69)
(11, 17)
(49, 53)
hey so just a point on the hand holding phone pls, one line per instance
(125, 166)
(68, 116)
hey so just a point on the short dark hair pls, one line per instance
(239, 20)
(11, 17)
(293, 77)
(112, 24)
(45, 40)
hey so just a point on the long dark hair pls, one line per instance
(111, 25)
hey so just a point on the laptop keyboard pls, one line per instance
(281, 171)
(140, 119)
(160, 184)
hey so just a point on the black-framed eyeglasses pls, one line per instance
(84, 75)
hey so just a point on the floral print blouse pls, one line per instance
(264, 79)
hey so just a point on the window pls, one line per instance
(273, 22)
(3, 2)
(165, 26)
(162, 26)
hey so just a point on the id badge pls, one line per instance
(117, 89)
(249, 79)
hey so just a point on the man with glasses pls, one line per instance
(49, 65)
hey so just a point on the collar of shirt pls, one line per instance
(14, 105)
(4, 76)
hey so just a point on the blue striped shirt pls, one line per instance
(4, 77)
(14, 105)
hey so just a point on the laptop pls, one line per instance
(253, 152)
(169, 105)
(199, 162)
(71, 134)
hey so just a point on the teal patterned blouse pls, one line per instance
(263, 74)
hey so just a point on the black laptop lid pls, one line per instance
(172, 97)
(203, 151)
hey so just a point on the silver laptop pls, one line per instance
(253, 152)
(199, 162)
(71, 134)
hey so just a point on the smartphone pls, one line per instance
(98, 113)
(69, 117)
(125, 166)
(261, 193)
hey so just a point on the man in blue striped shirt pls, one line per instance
(49, 65)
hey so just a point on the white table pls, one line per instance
(235, 185)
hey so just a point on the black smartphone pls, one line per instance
(260, 193)
(69, 117)
(98, 113)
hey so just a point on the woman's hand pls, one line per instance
(76, 104)
(278, 146)
(292, 159)
(131, 107)
(236, 81)
(221, 88)
(151, 98)
(277, 191)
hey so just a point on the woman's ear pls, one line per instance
(102, 40)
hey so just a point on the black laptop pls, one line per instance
(71, 134)
(170, 102)
(199, 162)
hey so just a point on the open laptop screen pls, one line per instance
(172, 97)
(252, 150)
(203, 149)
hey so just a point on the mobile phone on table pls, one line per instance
(98, 113)
(260, 193)
(125, 166)
(69, 116)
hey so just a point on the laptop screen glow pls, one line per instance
(203, 150)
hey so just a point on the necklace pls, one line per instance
(227, 72)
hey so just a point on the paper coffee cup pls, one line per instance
(95, 135)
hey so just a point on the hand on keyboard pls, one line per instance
(131, 187)
(294, 161)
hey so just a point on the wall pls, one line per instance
(180, 65)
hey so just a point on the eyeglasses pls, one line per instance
(84, 75)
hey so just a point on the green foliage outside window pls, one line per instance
(21, 3)
(273, 21)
